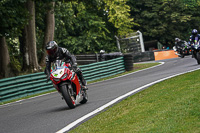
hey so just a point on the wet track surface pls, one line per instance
(49, 113)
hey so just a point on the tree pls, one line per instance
(162, 20)
(119, 16)
(49, 29)
(192, 8)
(4, 58)
(86, 26)
(11, 27)
(30, 39)
(80, 29)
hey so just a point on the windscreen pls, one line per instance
(58, 64)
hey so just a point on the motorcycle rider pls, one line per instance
(177, 43)
(58, 53)
(194, 38)
(180, 44)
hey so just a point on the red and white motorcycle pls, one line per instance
(68, 84)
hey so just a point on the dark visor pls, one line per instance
(51, 51)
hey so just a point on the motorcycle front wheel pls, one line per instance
(67, 94)
(198, 58)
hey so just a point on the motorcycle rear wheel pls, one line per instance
(181, 54)
(85, 97)
(69, 98)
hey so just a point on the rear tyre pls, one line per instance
(67, 94)
(182, 55)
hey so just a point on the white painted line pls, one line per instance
(71, 125)
(4, 105)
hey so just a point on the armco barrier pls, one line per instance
(103, 69)
(21, 86)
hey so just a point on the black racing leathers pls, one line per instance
(194, 39)
(64, 55)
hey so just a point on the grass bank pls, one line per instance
(170, 106)
(137, 67)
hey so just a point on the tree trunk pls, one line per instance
(24, 50)
(4, 58)
(31, 38)
(49, 30)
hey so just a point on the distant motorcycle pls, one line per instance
(66, 81)
(182, 50)
(196, 51)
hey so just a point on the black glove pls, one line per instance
(74, 67)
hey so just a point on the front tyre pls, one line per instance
(198, 58)
(194, 54)
(67, 94)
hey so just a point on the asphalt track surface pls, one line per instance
(49, 113)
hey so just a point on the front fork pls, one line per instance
(69, 86)
(55, 86)
(193, 54)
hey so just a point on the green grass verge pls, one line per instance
(171, 106)
(137, 67)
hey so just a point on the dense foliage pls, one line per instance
(80, 29)
(89, 26)
(164, 20)
(13, 17)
